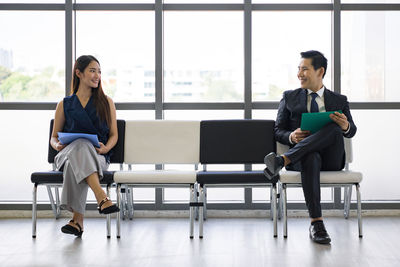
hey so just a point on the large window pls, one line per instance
(198, 60)
(291, 1)
(202, 1)
(32, 56)
(370, 55)
(277, 45)
(24, 142)
(123, 42)
(203, 56)
(376, 155)
(370, 1)
(35, 1)
(115, 1)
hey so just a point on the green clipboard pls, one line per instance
(313, 122)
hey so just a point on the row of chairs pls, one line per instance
(194, 143)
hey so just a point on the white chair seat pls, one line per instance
(327, 177)
(155, 177)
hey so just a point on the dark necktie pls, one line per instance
(314, 105)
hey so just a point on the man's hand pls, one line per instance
(298, 135)
(340, 119)
(102, 149)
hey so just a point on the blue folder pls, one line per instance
(66, 138)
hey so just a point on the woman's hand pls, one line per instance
(59, 146)
(102, 149)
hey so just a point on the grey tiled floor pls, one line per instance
(227, 242)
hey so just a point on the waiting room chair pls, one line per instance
(158, 142)
(235, 142)
(54, 179)
(345, 179)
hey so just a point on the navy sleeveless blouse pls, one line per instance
(84, 120)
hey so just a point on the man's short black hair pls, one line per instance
(318, 59)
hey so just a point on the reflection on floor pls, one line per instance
(227, 242)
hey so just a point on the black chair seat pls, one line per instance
(232, 177)
(56, 177)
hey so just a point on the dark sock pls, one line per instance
(312, 223)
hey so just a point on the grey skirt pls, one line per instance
(78, 160)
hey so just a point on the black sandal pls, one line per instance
(111, 209)
(69, 229)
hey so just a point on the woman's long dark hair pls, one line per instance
(99, 98)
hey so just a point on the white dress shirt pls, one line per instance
(319, 99)
(321, 105)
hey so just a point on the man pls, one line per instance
(311, 153)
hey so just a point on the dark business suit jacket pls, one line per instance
(294, 103)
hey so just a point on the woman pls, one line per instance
(86, 110)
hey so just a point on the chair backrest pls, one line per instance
(162, 142)
(236, 141)
(51, 151)
(117, 155)
(348, 148)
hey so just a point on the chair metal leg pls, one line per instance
(204, 203)
(279, 201)
(58, 209)
(274, 210)
(284, 204)
(191, 211)
(349, 198)
(271, 208)
(129, 196)
(196, 197)
(34, 210)
(51, 198)
(124, 202)
(201, 212)
(118, 213)
(133, 206)
(360, 232)
(108, 215)
(347, 201)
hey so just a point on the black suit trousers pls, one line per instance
(321, 151)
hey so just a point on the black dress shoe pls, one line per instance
(274, 165)
(318, 233)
